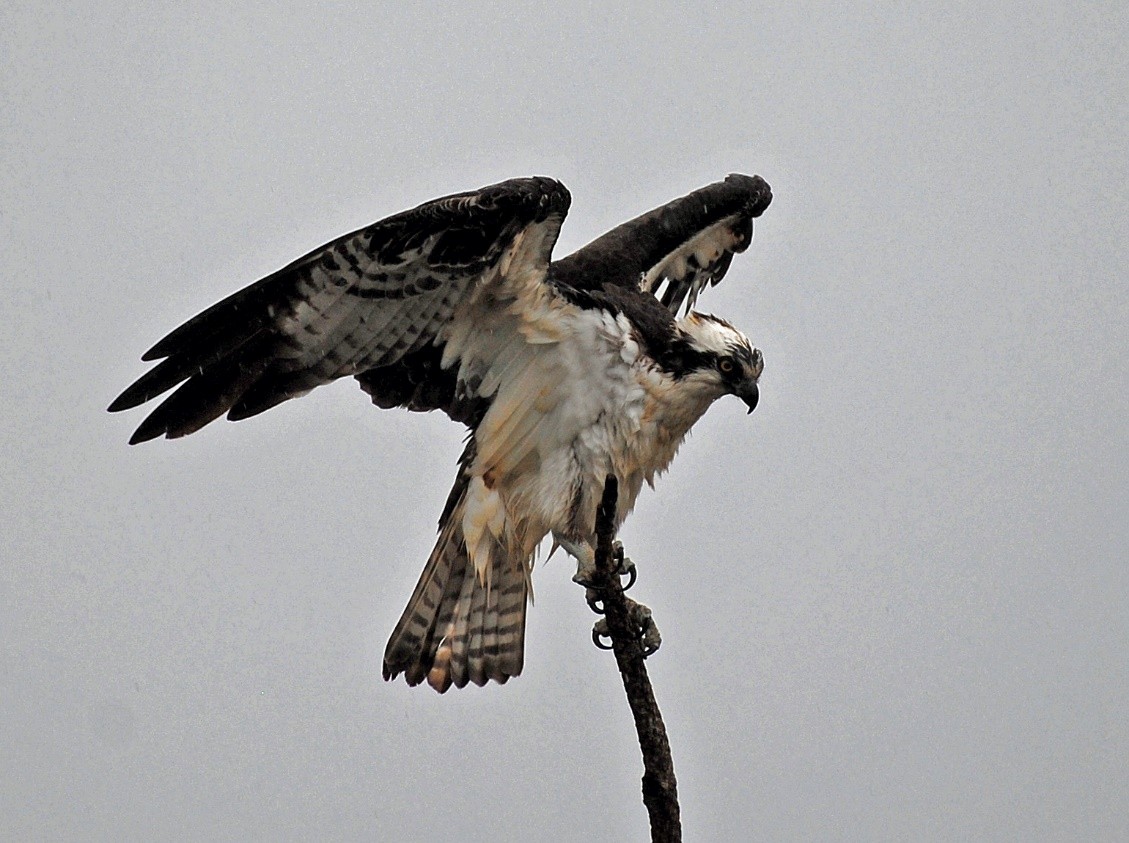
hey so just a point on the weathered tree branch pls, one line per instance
(625, 622)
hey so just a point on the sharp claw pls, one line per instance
(639, 615)
(644, 622)
(652, 640)
(641, 621)
(595, 603)
(624, 566)
(630, 574)
(599, 632)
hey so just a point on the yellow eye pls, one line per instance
(725, 367)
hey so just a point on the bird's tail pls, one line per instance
(458, 627)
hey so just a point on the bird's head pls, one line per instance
(722, 358)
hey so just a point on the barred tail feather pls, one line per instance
(457, 627)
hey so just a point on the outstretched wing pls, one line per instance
(687, 243)
(365, 301)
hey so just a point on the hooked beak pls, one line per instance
(748, 392)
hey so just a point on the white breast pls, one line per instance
(574, 399)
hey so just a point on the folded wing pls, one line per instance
(367, 301)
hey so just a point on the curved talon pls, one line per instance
(599, 631)
(630, 574)
(594, 601)
(647, 629)
(624, 567)
(643, 624)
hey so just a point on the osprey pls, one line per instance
(564, 372)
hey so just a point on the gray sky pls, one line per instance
(894, 599)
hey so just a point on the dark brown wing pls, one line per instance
(367, 300)
(687, 243)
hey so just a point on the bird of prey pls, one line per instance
(564, 372)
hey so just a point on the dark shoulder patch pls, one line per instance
(653, 322)
(654, 325)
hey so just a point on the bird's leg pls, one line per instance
(586, 572)
(587, 575)
(624, 566)
(585, 555)
(642, 623)
(605, 596)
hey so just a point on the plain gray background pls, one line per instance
(894, 599)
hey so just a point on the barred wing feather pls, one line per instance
(361, 302)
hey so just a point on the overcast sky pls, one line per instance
(894, 600)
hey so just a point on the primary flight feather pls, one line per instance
(564, 372)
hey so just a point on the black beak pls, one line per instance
(749, 393)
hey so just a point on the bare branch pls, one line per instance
(626, 623)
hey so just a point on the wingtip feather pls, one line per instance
(120, 403)
(760, 194)
(147, 432)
